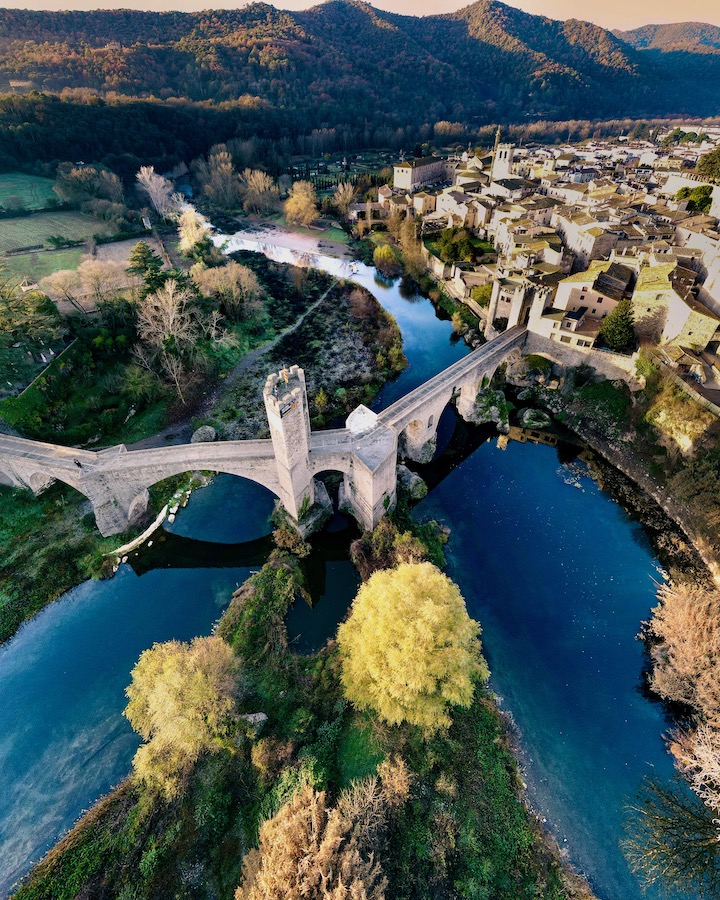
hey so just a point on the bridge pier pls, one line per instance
(117, 507)
(418, 440)
(369, 490)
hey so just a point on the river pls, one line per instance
(556, 572)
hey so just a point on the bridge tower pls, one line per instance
(286, 404)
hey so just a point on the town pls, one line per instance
(575, 231)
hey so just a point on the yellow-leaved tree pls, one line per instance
(409, 649)
(301, 204)
(180, 701)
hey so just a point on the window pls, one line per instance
(565, 338)
(593, 312)
(599, 299)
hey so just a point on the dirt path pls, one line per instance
(180, 432)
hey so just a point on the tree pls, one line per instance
(482, 294)
(217, 177)
(697, 756)
(145, 263)
(687, 658)
(65, 284)
(193, 231)
(78, 184)
(617, 330)
(261, 194)
(309, 849)
(160, 191)
(673, 840)
(103, 280)
(699, 198)
(301, 204)
(234, 286)
(167, 328)
(409, 650)
(709, 165)
(411, 250)
(386, 261)
(344, 196)
(180, 701)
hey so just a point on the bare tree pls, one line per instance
(344, 196)
(309, 849)
(697, 755)
(102, 280)
(65, 285)
(687, 659)
(193, 229)
(160, 191)
(165, 319)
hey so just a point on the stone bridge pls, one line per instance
(116, 480)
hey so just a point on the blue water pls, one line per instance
(558, 576)
(229, 510)
(561, 579)
(62, 680)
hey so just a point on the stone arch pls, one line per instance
(38, 481)
(119, 503)
(8, 478)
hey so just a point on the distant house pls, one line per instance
(417, 173)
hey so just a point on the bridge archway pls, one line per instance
(229, 509)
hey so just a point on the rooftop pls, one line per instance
(419, 163)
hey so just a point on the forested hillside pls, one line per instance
(344, 61)
(695, 37)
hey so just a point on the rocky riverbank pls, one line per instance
(632, 456)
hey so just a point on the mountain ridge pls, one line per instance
(345, 59)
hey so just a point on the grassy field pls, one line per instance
(32, 231)
(31, 191)
(41, 263)
(327, 234)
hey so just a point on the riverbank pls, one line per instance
(463, 830)
(660, 439)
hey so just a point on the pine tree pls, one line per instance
(617, 329)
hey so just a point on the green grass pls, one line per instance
(36, 266)
(326, 234)
(35, 230)
(32, 191)
(608, 400)
(358, 753)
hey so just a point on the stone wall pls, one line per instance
(611, 365)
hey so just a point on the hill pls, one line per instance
(344, 59)
(693, 37)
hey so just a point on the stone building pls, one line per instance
(417, 173)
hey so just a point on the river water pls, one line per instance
(556, 572)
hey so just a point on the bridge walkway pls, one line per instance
(450, 377)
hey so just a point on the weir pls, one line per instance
(116, 480)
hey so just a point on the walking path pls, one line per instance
(181, 432)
